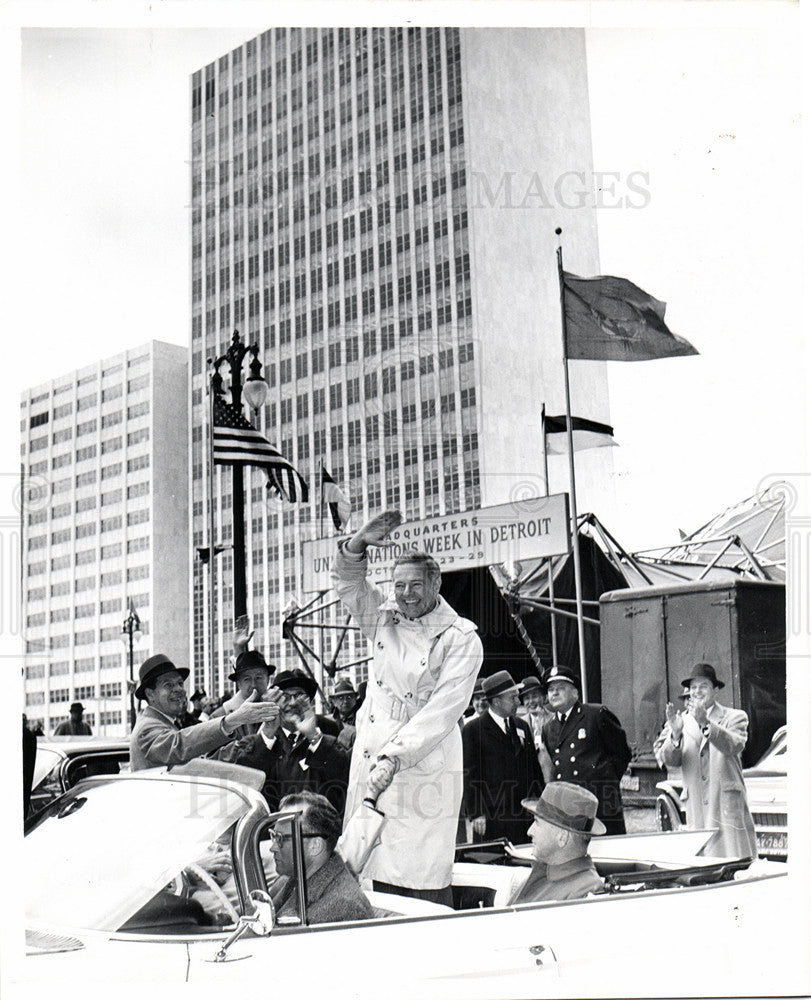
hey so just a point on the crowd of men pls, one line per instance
(433, 738)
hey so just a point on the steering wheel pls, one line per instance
(204, 876)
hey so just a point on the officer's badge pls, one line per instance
(581, 734)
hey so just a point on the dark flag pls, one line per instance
(585, 434)
(331, 494)
(236, 442)
(610, 319)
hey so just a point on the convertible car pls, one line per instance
(164, 877)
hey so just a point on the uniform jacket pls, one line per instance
(590, 749)
(572, 880)
(498, 775)
(714, 792)
(292, 767)
(155, 741)
(333, 894)
(420, 682)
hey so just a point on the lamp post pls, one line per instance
(130, 634)
(255, 390)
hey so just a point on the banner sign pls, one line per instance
(526, 529)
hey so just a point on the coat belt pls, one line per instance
(396, 708)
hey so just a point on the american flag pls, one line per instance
(236, 442)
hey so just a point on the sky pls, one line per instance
(706, 117)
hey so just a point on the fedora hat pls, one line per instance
(498, 683)
(247, 659)
(153, 668)
(296, 678)
(568, 806)
(703, 670)
(77, 706)
(530, 683)
(561, 673)
(343, 686)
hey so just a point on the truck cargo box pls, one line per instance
(650, 638)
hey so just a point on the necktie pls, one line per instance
(513, 734)
(561, 718)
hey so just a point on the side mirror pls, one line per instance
(264, 914)
(261, 922)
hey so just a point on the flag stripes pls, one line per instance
(237, 442)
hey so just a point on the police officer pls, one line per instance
(587, 745)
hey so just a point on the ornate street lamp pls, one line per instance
(130, 634)
(255, 391)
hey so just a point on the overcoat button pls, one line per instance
(574, 773)
(572, 745)
(557, 764)
(380, 645)
(371, 718)
(559, 775)
(365, 753)
(572, 759)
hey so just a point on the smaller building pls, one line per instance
(104, 524)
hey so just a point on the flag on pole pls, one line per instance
(339, 506)
(585, 434)
(237, 442)
(610, 319)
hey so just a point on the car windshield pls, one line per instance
(101, 853)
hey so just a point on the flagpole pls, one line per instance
(578, 585)
(212, 631)
(549, 558)
(321, 505)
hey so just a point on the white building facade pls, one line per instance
(104, 525)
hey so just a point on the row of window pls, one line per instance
(87, 530)
(108, 661)
(113, 471)
(89, 451)
(85, 637)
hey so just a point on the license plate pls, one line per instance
(629, 782)
(772, 843)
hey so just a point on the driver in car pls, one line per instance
(333, 892)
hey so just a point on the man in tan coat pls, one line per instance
(408, 744)
(707, 741)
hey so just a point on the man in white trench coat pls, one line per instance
(408, 744)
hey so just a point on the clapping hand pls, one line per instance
(252, 710)
(675, 720)
(306, 723)
(272, 697)
(698, 710)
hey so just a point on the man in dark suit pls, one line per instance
(295, 750)
(587, 745)
(501, 766)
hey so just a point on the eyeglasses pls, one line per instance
(280, 838)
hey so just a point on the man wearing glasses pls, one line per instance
(294, 749)
(333, 893)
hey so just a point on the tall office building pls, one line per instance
(104, 524)
(375, 208)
